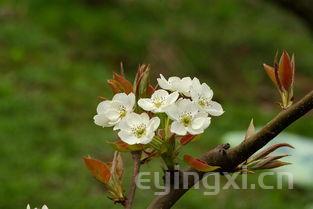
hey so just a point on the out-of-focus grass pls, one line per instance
(56, 56)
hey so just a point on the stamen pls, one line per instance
(203, 102)
(158, 101)
(122, 111)
(186, 119)
(139, 131)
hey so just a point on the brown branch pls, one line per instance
(131, 194)
(229, 159)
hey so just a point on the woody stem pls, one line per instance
(136, 155)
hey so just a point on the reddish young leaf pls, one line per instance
(115, 86)
(142, 81)
(268, 150)
(138, 77)
(124, 83)
(187, 138)
(293, 64)
(121, 146)
(282, 74)
(285, 71)
(270, 71)
(98, 169)
(150, 90)
(198, 164)
(274, 164)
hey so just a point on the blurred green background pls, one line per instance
(55, 58)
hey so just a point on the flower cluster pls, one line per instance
(157, 121)
(185, 103)
(43, 207)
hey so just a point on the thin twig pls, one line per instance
(131, 194)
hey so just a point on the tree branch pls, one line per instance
(229, 159)
(131, 194)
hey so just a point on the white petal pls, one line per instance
(112, 115)
(127, 101)
(119, 97)
(101, 120)
(172, 98)
(196, 83)
(144, 118)
(131, 101)
(153, 124)
(187, 82)
(194, 95)
(184, 85)
(103, 106)
(159, 93)
(163, 83)
(197, 123)
(178, 128)
(174, 83)
(127, 137)
(191, 107)
(202, 114)
(133, 119)
(123, 125)
(172, 112)
(200, 123)
(146, 104)
(146, 139)
(28, 206)
(44, 207)
(206, 91)
(214, 109)
(182, 104)
(173, 79)
(207, 123)
(195, 131)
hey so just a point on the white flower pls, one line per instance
(138, 129)
(187, 118)
(176, 84)
(202, 95)
(169, 84)
(43, 207)
(109, 113)
(159, 101)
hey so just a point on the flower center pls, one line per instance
(122, 111)
(158, 101)
(186, 119)
(139, 131)
(203, 102)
